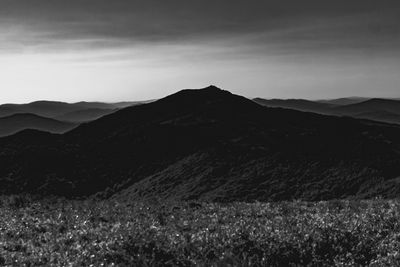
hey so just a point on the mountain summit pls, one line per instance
(207, 144)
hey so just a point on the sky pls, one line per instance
(120, 50)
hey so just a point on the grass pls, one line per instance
(105, 233)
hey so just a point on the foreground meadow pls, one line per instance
(99, 233)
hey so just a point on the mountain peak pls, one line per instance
(197, 95)
(206, 90)
(212, 88)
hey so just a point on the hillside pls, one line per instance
(383, 110)
(73, 111)
(297, 104)
(47, 109)
(207, 144)
(343, 101)
(84, 115)
(384, 116)
(372, 105)
(18, 122)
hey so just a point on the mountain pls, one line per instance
(207, 144)
(344, 101)
(18, 122)
(383, 110)
(386, 110)
(8, 110)
(47, 109)
(85, 115)
(96, 105)
(55, 109)
(297, 104)
(372, 105)
(131, 103)
(102, 105)
(379, 115)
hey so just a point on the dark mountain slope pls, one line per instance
(18, 122)
(208, 144)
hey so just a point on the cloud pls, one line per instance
(75, 24)
(138, 49)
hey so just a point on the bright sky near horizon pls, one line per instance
(101, 50)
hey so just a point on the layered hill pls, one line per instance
(52, 116)
(384, 110)
(85, 115)
(18, 122)
(75, 112)
(207, 144)
(47, 109)
(344, 101)
(297, 104)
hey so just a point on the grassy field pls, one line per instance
(73, 233)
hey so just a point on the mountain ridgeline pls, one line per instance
(383, 110)
(207, 144)
(53, 116)
(21, 121)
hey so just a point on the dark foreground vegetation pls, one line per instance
(73, 233)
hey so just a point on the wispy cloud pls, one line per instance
(102, 23)
(275, 47)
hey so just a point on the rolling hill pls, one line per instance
(47, 109)
(85, 115)
(18, 122)
(383, 110)
(372, 105)
(380, 115)
(80, 111)
(53, 116)
(207, 144)
(343, 101)
(297, 104)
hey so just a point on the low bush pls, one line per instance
(103, 233)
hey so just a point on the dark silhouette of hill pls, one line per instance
(121, 105)
(18, 122)
(297, 104)
(344, 100)
(47, 109)
(85, 115)
(383, 110)
(207, 144)
(378, 115)
(102, 105)
(386, 110)
(372, 105)
(8, 110)
(95, 105)
(55, 109)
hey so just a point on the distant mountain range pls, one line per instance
(53, 116)
(207, 144)
(21, 121)
(344, 100)
(384, 110)
(85, 115)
